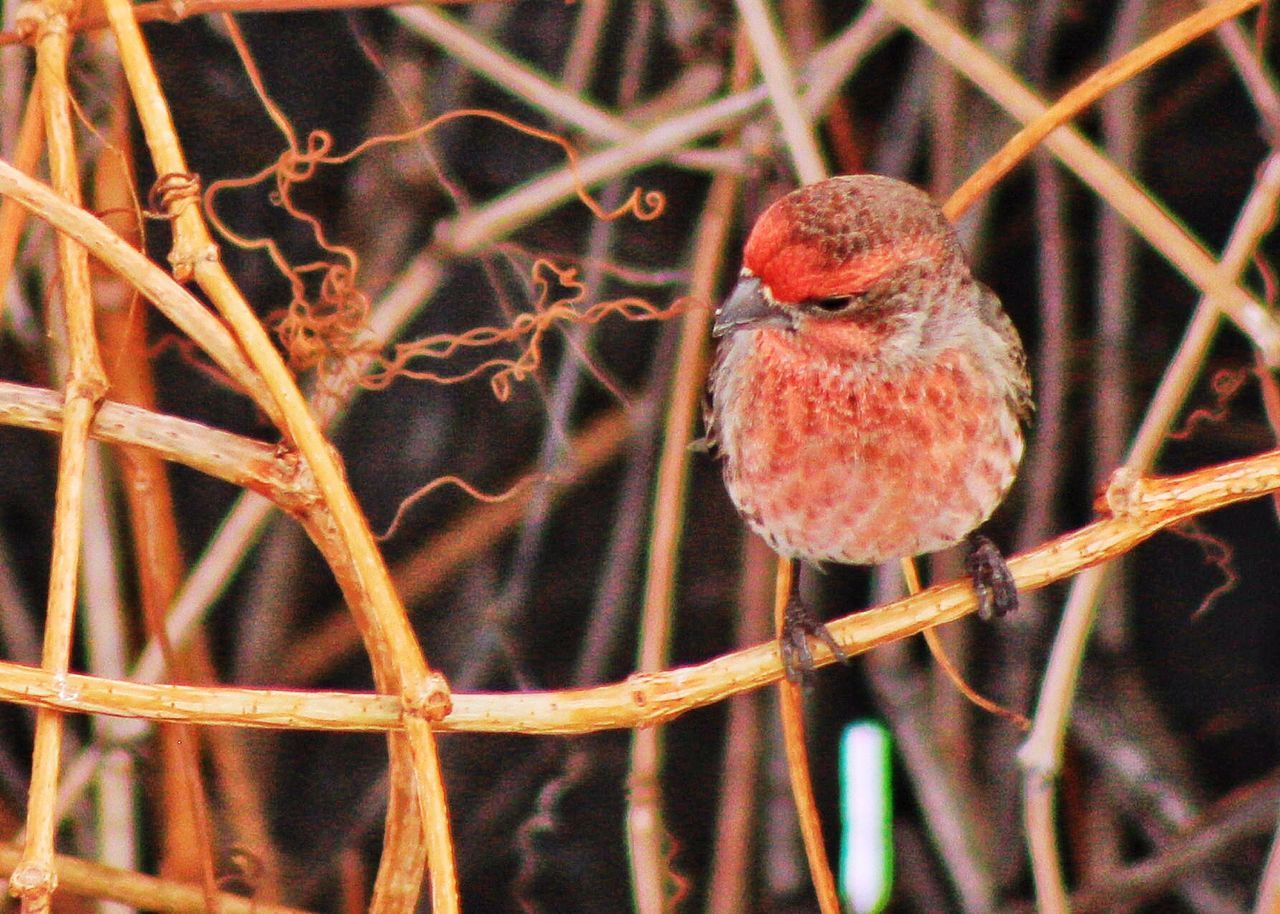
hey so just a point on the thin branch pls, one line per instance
(241, 461)
(35, 878)
(795, 745)
(1119, 189)
(1141, 508)
(644, 830)
(773, 59)
(398, 661)
(93, 880)
(512, 75)
(1041, 754)
(175, 302)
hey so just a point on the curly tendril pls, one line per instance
(559, 290)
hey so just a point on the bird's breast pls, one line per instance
(854, 461)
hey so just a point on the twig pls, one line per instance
(1147, 776)
(739, 805)
(242, 526)
(165, 11)
(570, 373)
(1269, 885)
(399, 665)
(105, 646)
(26, 155)
(773, 60)
(1242, 814)
(584, 51)
(1041, 754)
(1142, 508)
(186, 830)
(951, 823)
(93, 880)
(1017, 99)
(830, 68)
(1116, 258)
(1253, 74)
(240, 461)
(1117, 188)
(469, 233)
(644, 831)
(515, 77)
(791, 710)
(35, 878)
(174, 302)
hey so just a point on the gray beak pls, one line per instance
(748, 306)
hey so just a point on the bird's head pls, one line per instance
(841, 253)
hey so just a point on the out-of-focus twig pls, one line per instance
(513, 76)
(644, 828)
(26, 154)
(774, 62)
(493, 221)
(1253, 74)
(428, 567)
(1269, 886)
(1041, 754)
(1118, 188)
(1116, 258)
(951, 821)
(739, 808)
(1242, 814)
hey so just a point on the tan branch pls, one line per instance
(35, 877)
(175, 302)
(1140, 509)
(250, 464)
(93, 880)
(398, 662)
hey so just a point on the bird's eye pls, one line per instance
(832, 304)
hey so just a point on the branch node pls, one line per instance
(185, 258)
(33, 881)
(32, 20)
(428, 698)
(175, 10)
(1124, 492)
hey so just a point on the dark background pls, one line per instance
(1177, 715)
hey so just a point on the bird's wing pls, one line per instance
(994, 316)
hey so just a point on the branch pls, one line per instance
(1139, 508)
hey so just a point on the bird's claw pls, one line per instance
(799, 623)
(992, 581)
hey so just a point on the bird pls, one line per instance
(868, 395)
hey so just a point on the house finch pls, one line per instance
(868, 393)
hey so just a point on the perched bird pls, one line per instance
(868, 393)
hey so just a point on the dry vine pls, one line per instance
(591, 332)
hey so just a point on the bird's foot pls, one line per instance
(992, 581)
(799, 624)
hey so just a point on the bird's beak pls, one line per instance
(748, 306)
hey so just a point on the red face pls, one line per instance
(840, 236)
